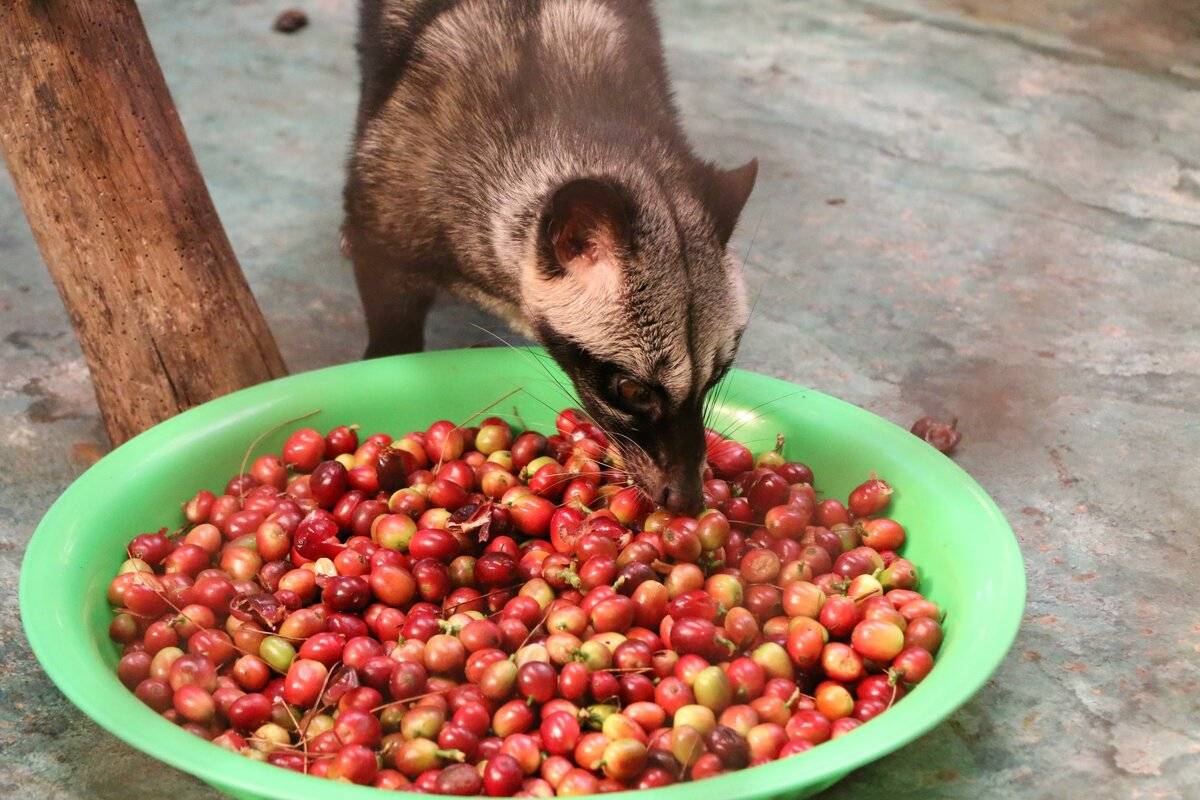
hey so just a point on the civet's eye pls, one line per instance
(633, 392)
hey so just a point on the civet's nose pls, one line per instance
(682, 497)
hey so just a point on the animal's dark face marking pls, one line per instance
(661, 439)
(634, 294)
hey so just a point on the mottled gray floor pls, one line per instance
(984, 208)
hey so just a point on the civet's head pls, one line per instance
(635, 295)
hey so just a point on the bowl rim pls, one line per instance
(46, 556)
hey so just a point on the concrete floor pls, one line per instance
(981, 208)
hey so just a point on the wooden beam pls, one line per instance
(121, 214)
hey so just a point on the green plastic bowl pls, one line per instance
(961, 543)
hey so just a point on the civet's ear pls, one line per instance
(585, 223)
(726, 196)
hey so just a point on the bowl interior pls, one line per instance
(964, 549)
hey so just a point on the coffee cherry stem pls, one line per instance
(483, 410)
(303, 731)
(534, 630)
(325, 685)
(275, 745)
(258, 440)
(867, 595)
(412, 699)
(451, 609)
(446, 626)
(491, 405)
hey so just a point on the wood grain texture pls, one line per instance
(121, 214)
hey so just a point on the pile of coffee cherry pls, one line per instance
(467, 611)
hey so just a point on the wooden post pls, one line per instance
(121, 214)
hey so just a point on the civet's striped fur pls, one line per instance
(527, 154)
